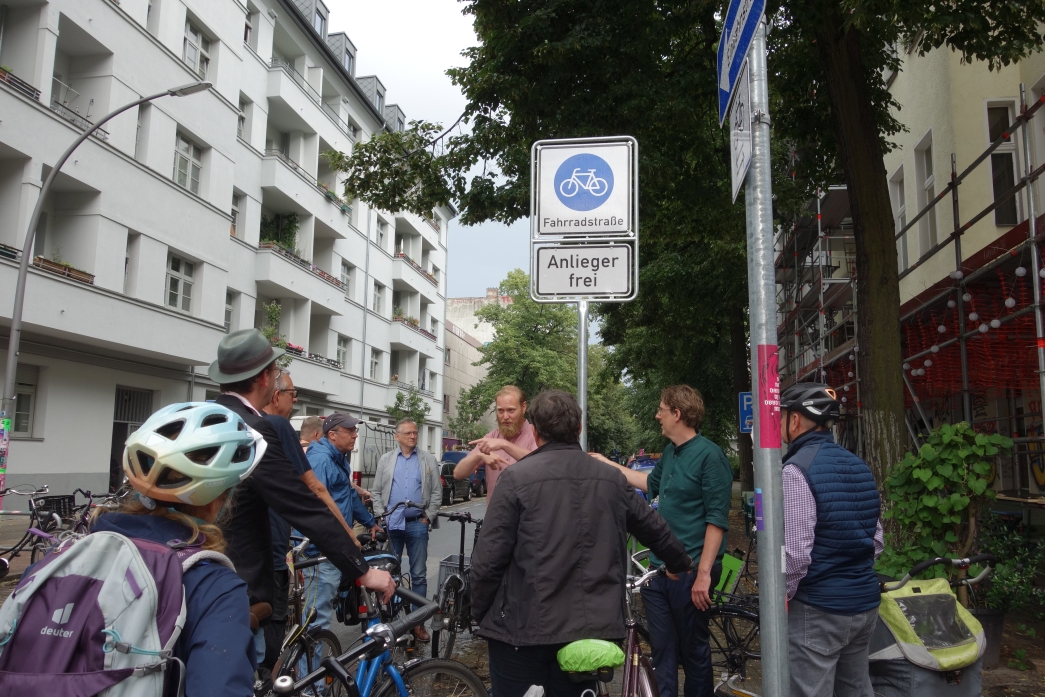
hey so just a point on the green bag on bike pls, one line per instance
(587, 655)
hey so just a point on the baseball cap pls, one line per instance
(338, 419)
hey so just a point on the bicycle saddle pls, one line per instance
(590, 659)
(366, 538)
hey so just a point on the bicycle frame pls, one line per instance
(636, 666)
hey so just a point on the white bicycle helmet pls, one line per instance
(191, 452)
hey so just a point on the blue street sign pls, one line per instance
(747, 412)
(738, 32)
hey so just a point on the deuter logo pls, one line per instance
(60, 616)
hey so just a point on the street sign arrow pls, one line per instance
(738, 31)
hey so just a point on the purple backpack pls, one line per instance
(99, 615)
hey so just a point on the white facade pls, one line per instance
(150, 247)
(461, 371)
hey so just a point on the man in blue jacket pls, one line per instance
(328, 457)
(832, 536)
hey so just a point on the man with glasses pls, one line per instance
(409, 474)
(328, 457)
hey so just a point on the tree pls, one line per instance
(611, 425)
(466, 425)
(273, 312)
(410, 405)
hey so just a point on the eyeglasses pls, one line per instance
(292, 393)
(408, 433)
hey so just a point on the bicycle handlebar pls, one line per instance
(944, 561)
(26, 491)
(634, 583)
(462, 517)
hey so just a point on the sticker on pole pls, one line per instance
(584, 187)
(768, 397)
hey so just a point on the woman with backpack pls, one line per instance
(104, 611)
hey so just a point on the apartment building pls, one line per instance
(460, 373)
(462, 311)
(190, 217)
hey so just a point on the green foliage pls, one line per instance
(611, 426)
(1019, 661)
(270, 328)
(934, 497)
(1011, 586)
(410, 405)
(466, 425)
(281, 230)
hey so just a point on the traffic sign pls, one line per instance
(738, 31)
(584, 187)
(740, 131)
(597, 271)
(747, 412)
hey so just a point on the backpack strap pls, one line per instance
(192, 554)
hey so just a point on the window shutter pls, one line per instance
(132, 405)
(27, 374)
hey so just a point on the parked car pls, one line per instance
(453, 489)
(477, 479)
(645, 464)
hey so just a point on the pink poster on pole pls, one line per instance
(768, 397)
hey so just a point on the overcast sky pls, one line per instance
(409, 44)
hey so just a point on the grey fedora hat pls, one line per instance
(241, 355)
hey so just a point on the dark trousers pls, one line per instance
(513, 669)
(679, 635)
(276, 627)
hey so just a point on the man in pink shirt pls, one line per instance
(513, 440)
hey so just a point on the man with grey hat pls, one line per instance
(246, 370)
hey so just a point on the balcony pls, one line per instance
(77, 120)
(417, 267)
(300, 352)
(61, 269)
(405, 335)
(283, 274)
(282, 64)
(298, 190)
(316, 375)
(406, 272)
(19, 85)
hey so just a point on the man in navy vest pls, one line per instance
(833, 536)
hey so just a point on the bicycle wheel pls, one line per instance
(736, 651)
(445, 635)
(569, 188)
(304, 656)
(437, 677)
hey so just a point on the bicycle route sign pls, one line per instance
(738, 31)
(584, 220)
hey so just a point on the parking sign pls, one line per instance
(747, 412)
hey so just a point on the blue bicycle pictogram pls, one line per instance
(583, 182)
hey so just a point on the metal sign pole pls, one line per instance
(582, 369)
(765, 383)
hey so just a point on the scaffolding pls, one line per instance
(973, 342)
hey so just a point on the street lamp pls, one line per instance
(7, 409)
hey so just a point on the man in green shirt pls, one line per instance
(694, 482)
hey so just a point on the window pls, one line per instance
(927, 236)
(319, 22)
(344, 348)
(347, 277)
(382, 232)
(27, 377)
(375, 363)
(900, 205)
(378, 290)
(347, 61)
(400, 126)
(241, 120)
(248, 29)
(431, 439)
(379, 101)
(235, 215)
(188, 164)
(435, 326)
(446, 357)
(197, 50)
(138, 133)
(446, 402)
(1003, 165)
(230, 298)
(179, 283)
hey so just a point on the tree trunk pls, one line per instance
(740, 356)
(877, 287)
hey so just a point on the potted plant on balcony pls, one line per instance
(397, 313)
(413, 322)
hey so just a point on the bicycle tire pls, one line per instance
(437, 677)
(571, 185)
(444, 638)
(288, 661)
(736, 648)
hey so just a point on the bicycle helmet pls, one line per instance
(191, 453)
(816, 401)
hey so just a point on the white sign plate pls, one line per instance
(588, 271)
(740, 130)
(584, 188)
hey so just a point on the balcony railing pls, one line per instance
(285, 159)
(301, 353)
(432, 223)
(411, 386)
(284, 65)
(417, 267)
(63, 270)
(303, 263)
(77, 120)
(333, 197)
(19, 85)
(415, 327)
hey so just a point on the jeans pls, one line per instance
(679, 635)
(321, 583)
(513, 669)
(415, 539)
(828, 653)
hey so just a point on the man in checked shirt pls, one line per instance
(833, 536)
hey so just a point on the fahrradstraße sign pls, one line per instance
(584, 187)
(738, 31)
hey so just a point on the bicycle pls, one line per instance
(47, 514)
(454, 613)
(432, 677)
(596, 186)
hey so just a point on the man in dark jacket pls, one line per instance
(245, 370)
(550, 564)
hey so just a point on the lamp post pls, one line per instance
(8, 406)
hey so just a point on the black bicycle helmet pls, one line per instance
(814, 400)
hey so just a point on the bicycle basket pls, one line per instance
(348, 602)
(451, 565)
(63, 505)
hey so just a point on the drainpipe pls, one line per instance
(366, 278)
